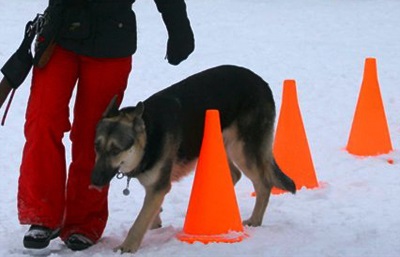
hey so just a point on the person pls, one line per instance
(93, 52)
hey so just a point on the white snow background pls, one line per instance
(322, 44)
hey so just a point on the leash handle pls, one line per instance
(3, 120)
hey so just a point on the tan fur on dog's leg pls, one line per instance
(262, 198)
(157, 222)
(151, 206)
(235, 172)
(262, 187)
(235, 149)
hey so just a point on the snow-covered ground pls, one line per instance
(320, 44)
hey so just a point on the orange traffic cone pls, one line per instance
(291, 150)
(213, 213)
(369, 133)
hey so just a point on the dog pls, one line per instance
(158, 141)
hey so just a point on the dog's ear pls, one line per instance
(112, 108)
(138, 125)
(139, 109)
(138, 122)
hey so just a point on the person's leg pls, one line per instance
(99, 81)
(41, 188)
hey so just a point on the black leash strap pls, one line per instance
(3, 120)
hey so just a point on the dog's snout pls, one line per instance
(102, 175)
(97, 179)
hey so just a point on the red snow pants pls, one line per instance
(47, 194)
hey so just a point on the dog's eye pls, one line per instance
(115, 151)
(97, 146)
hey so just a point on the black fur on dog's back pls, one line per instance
(186, 106)
(191, 103)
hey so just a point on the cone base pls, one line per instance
(364, 153)
(277, 191)
(231, 237)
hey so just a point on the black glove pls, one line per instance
(17, 68)
(180, 35)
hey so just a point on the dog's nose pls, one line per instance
(101, 176)
(97, 179)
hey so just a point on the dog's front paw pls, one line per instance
(252, 222)
(157, 223)
(125, 248)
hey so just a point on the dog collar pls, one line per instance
(121, 175)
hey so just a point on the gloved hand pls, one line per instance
(179, 46)
(17, 68)
(180, 35)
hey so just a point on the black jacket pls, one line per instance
(107, 28)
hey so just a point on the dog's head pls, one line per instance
(119, 142)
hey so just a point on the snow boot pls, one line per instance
(39, 237)
(78, 242)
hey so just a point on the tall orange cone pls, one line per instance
(291, 149)
(369, 133)
(213, 213)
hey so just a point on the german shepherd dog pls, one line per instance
(158, 141)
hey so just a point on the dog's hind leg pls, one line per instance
(252, 171)
(264, 173)
(263, 192)
(252, 157)
(230, 138)
(235, 172)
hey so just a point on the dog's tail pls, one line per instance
(281, 180)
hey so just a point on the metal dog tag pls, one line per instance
(126, 192)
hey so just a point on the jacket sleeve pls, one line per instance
(180, 35)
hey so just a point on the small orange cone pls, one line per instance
(291, 150)
(369, 135)
(213, 213)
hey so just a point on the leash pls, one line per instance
(121, 175)
(32, 28)
(3, 120)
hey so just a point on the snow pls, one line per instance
(320, 44)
